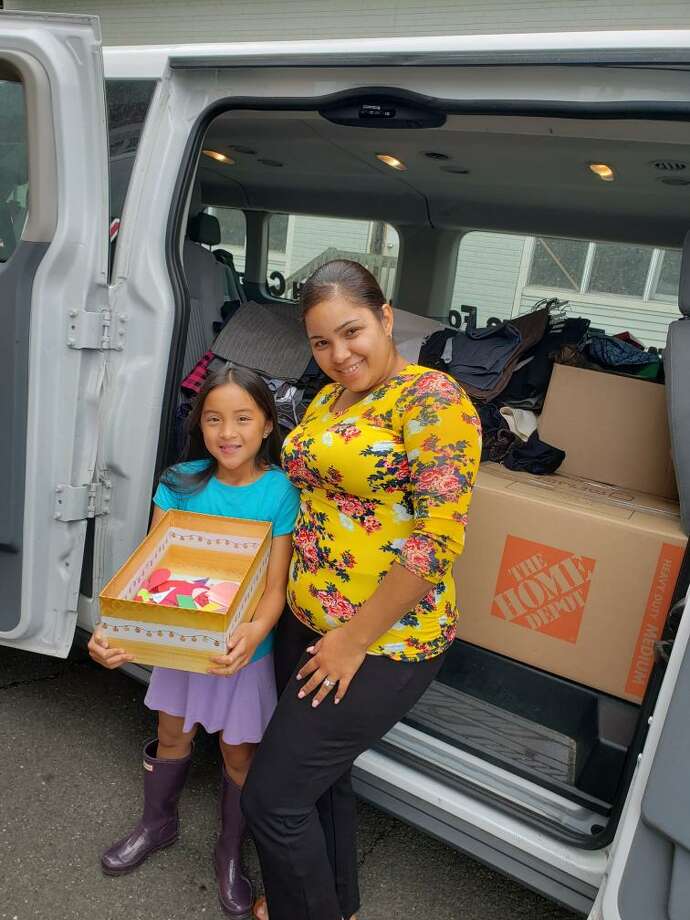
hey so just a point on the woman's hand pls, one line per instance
(241, 647)
(101, 652)
(336, 658)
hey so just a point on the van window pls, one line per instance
(299, 244)
(128, 103)
(233, 233)
(618, 287)
(14, 188)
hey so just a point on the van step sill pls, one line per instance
(474, 724)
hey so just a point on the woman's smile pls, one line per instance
(352, 369)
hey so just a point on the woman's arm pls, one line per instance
(442, 440)
(248, 636)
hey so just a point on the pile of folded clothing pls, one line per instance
(506, 367)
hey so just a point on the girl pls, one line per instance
(233, 436)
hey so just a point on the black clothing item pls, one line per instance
(481, 356)
(497, 438)
(430, 354)
(530, 327)
(527, 386)
(297, 798)
(534, 456)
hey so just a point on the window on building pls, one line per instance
(558, 263)
(14, 178)
(299, 244)
(620, 269)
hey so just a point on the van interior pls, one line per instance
(558, 752)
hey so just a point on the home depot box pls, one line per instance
(192, 546)
(569, 576)
(612, 428)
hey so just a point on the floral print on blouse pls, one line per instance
(386, 480)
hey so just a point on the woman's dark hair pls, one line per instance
(194, 447)
(345, 278)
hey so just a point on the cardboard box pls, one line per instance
(567, 579)
(201, 546)
(613, 429)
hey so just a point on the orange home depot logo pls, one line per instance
(542, 588)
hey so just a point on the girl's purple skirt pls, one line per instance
(239, 706)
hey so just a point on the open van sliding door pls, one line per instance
(648, 877)
(56, 326)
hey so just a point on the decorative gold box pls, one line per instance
(201, 546)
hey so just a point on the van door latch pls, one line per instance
(78, 503)
(100, 330)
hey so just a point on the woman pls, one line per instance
(385, 460)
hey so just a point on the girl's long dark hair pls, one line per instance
(194, 447)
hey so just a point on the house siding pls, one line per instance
(156, 22)
(312, 235)
(647, 321)
(487, 274)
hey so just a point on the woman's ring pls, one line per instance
(328, 683)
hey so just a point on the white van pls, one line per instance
(100, 282)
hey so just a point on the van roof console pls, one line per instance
(384, 110)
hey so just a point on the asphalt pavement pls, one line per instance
(70, 783)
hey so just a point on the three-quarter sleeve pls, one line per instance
(442, 438)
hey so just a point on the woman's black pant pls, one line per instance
(298, 799)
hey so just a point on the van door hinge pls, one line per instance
(77, 503)
(100, 330)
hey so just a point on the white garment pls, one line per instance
(521, 422)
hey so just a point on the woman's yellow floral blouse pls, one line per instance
(387, 480)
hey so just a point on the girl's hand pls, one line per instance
(336, 658)
(101, 652)
(241, 647)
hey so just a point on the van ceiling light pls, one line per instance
(436, 155)
(221, 157)
(603, 171)
(391, 161)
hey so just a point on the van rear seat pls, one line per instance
(207, 286)
(677, 370)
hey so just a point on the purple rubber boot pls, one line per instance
(159, 824)
(234, 888)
